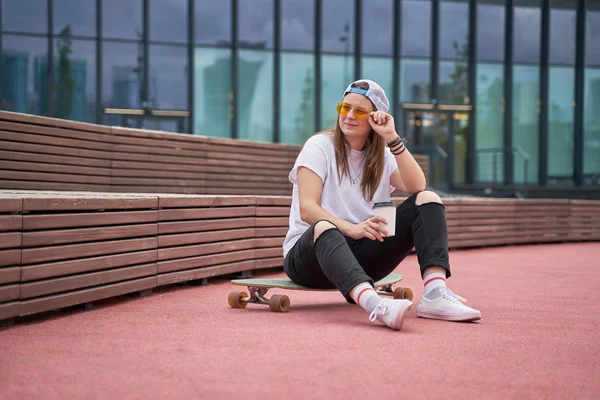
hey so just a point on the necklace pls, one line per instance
(358, 176)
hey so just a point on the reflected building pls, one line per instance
(79, 76)
(127, 86)
(216, 92)
(420, 93)
(15, 73)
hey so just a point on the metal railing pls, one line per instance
(497, 156)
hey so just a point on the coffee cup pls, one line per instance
(387, 210)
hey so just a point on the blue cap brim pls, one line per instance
(357, 90)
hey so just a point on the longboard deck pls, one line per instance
(286, 283)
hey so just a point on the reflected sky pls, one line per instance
(123, 19)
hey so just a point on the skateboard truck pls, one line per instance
(277, 302)
(396, 293)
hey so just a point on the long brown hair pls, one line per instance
(374, 156)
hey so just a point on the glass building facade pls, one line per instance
(503, 92)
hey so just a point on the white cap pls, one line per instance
(375, 93)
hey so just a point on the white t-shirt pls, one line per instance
(341, 199)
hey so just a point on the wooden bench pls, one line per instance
(60, 249)
(10, 254)
(40, 153)
(80, 248)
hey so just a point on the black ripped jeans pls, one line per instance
(336, 261)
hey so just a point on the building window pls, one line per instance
(255, 95)
(453, 69)
(337, 20)
(77, 15)
(377, 27)
(24, 74)
(591, 134)
(24, 16)
(415, 25)
(297, 94)
(489, 128)
(255, 19)
(122, 19)
(525, 128)
(298, 25)
(337, 74)
(168, 78)
(168, 21)
(213, 22)
(74, 78)
(212, 92)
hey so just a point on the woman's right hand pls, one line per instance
(370, 229)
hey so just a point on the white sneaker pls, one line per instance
(442, 303)
(391, 312)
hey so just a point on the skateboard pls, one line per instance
(281, 303)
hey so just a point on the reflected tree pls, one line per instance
(65, 84)
(460, 76)
(305, 121)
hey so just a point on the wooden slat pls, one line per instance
(204, 237)
(204, 213)
(245, 191)
(204, 249)
(35, 165)
(46, 121)
(51, 286)
(89, 202)
(94, 164)
(82, 265)
(132, 168)
(87, 157)
(205, 272)
(10, 204)
(264, 222)
(10, 275)
(66, 143)
(269, 262)
(202, 261)
(10, 240)
(79, 220)
(10, 257)
(65, 236)
(9, 310)
(56, 253)
(165, 228)
(271, 232)
(38, 185)
(173, 181)
(268, 253)
(268, 242)
(52, 174)
(265, 211)
(9, 293)
(167, 202)
(48, 303)
(285, 201)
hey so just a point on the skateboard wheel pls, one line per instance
(279, 303)
(235, 299)
(403, 293)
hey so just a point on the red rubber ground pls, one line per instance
(539, 338)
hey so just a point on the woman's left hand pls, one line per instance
(383, 124)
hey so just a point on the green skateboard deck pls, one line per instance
(286, 283)
(281, 303)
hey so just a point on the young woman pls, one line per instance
(334, 239)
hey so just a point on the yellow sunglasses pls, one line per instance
(360, 113)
